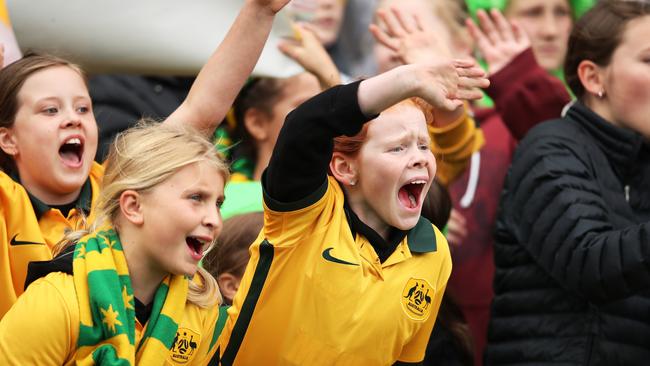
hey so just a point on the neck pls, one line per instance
(366, 214)
(263, 158)
(47, 197)
(145, 279)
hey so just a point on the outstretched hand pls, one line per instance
(499, 40)
(273, 5)
(446, 85)
(309, 52)
(407, 36)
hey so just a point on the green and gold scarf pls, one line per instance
(106, 307)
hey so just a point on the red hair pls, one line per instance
(351, 145)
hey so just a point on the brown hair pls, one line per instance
(12, 79)
(261, 93)
(231, 253)
(596, 36)
(350, 145)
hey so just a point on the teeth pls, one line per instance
(419, 182)
(74, 141)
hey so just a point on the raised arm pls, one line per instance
(221, 78)
(301, 156)
(312, 56)
(523, 92)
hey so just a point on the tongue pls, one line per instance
(407, 198)
(69, 157)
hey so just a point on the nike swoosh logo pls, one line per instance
(329, 257)
(20, 242)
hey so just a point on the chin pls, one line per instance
(406, 223)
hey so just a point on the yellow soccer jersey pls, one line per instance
(314, 295)
(50, 335)
(29, 229)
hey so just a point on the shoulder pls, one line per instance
(10, 189)
(48, 309)
(559, 138)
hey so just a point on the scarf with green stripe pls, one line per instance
(107, 309)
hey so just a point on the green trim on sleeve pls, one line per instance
(248, 307)
(297, 205)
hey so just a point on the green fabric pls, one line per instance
(241, 198)
(579, 7)
(107, 307)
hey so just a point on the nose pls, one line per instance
(72, 119)
(212, 219)
(420, 159)
(550, 25)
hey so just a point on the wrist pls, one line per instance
(259, 11)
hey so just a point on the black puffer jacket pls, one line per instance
(572, 248)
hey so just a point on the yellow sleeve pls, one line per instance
(212, 324)
(414, 351)
(41, 327)
(453, 146)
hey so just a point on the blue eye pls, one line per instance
(196, 197)
(396, 149)
(83, 109)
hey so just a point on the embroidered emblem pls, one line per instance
(416, 299)
(184, 345)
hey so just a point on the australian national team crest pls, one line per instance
(417, 299)
(184, 346)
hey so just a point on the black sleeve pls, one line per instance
(555, 207)
(301, 156)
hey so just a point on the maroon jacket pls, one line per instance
(524, 95)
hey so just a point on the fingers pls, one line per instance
(464, 63)
(502, 25)
(519, 35)
(488, 27)
(290, 49)
(478, 36)
(406, 22)
(383, 38)
(393, 26)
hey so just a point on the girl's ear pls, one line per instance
(8, 141)
(131, 207)
(344, 169)
(228, 284)
(592, 77)
(256, 122)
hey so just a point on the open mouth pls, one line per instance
(72, 151)
(196, 247)
(410, 193)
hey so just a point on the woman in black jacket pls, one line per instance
(572, 241)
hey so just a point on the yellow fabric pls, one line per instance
(312, 311)
(453, 146)
(4, 15)
(49, 309)
(18, 221)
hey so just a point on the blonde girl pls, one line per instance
(123, 293)
(48, 139)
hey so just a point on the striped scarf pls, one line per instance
(106, 307)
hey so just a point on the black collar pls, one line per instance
(82, 202)
(421, 238)
(622, 146)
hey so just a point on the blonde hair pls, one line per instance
(143, 157)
